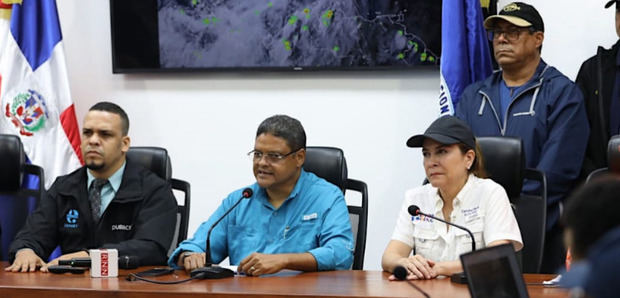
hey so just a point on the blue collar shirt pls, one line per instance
(314, 218)
(507, 95)
(109, 190)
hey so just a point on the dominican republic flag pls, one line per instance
(5, 16)
(465, 55)
(35, 100)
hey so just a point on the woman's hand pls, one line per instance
(417, 267)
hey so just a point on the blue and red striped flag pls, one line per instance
(465, 55)
(35, 100)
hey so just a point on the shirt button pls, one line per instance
(275, 213)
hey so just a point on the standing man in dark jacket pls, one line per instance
(599, 78)
(533, 101)
(111, 202)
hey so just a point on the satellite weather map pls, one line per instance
(298, 33)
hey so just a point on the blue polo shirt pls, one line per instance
(314, 218)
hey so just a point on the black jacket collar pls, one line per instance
(130, 189)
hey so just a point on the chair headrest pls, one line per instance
(154, 159)
(328, 163)
(504, 161)
(12, 159)
(613, 154)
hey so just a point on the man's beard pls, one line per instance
(94, 167)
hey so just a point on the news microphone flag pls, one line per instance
(35, 99)
(465, 55)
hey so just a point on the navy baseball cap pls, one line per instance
(518, 14)
(446, 130)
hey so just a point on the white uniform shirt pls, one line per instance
(481, 206)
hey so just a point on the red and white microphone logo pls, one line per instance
(104, 264)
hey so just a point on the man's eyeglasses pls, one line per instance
(512, 34)
(271, 157)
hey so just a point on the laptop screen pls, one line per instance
(494, 272)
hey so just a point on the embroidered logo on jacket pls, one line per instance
(72, 218)
(121, 227)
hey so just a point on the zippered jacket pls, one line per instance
(596, 79)
(548, 115)
(140, 220)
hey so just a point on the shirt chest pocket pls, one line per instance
(242, 237)
(303, 233)
(425, 241)
(463, 239)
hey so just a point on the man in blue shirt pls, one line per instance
(295, 220)
(533, 101)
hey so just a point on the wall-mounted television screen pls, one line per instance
(204, 35)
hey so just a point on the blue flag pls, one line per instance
(465, 55)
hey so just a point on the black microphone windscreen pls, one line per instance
(247, 193)
(400, 273)
(413, 210)
(65, 262)
(128, 262)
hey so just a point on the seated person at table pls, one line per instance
(295, 220)
(111, 202)
(457, 193)
(593, 236)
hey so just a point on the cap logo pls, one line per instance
(511, 7)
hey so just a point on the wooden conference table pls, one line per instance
(323, 284)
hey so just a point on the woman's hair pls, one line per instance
(477, 167)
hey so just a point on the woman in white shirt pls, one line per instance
(457, 193)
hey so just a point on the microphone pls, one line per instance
(401, 274)
(210, 271)
(456, 277)
(124, 262)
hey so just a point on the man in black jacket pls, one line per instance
(599, 79)
(111, 202)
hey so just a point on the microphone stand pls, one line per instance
(460, 277)
(210, 270)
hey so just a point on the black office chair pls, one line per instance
(613, 160)
(156, 160)
(505, 163)
(16, 202)
(329, 163)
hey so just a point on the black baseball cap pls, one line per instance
(518, 14)
(610, 3)
(446, 130)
